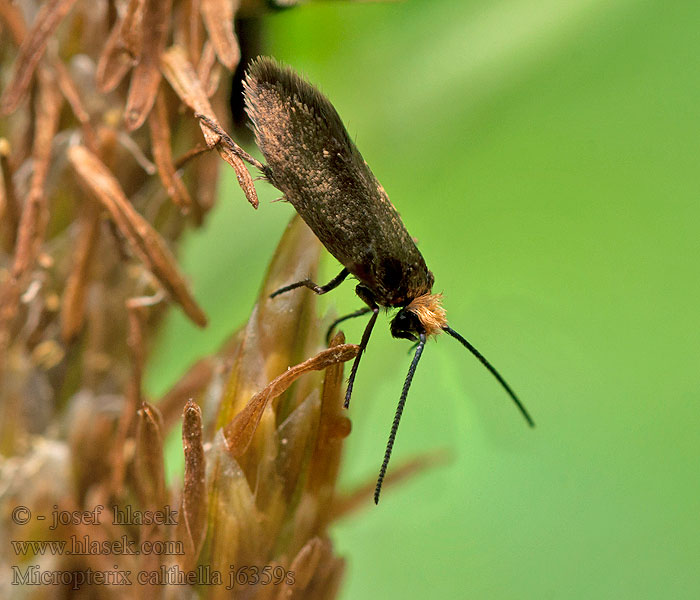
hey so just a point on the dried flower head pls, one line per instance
(102, 168)
(261, 461)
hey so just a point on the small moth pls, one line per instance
(313, 161)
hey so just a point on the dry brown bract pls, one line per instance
(31, 51)
(145, 241)
(182, 77)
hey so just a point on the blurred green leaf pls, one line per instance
(544, 154)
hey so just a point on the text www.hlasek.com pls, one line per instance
(83, 546)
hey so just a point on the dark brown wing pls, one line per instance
(312, 160)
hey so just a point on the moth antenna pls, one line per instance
(397, 416)
(492, 369)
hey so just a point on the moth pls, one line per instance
(313, 161)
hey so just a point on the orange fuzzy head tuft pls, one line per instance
(428, 309)
(424, 315)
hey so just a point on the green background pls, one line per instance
(545, 154)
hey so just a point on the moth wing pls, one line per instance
(312, 160)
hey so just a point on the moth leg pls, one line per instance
(319, 289)
(352, 315)
(226, 140)
(367, 296)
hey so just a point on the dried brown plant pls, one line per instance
(261, 462)
(102, 167)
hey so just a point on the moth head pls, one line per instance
(424, 315)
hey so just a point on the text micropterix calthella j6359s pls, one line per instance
(313, 161)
